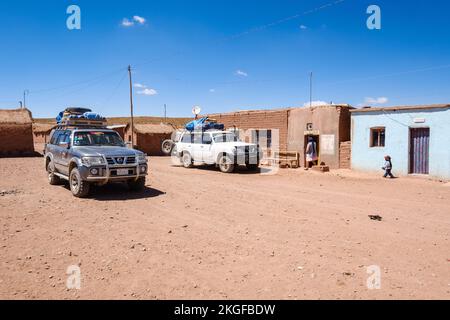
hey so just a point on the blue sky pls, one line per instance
(222, 55)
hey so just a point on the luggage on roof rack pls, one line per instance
(204, 124)
(80, 117)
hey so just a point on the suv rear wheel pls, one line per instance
(226, 164)
(79, 188)
(52, 178)
(137, 185)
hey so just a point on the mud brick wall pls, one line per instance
(16, 139)
(345, 154)
(150, 143)
(262, 120)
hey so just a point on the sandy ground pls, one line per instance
(200, 234)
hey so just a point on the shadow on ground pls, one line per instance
(120, 191)
(237, 170)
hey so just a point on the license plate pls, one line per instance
(122, 172)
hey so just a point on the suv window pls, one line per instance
(197, 138)
(55, 136)
(63, 137)
(187, 138)
(207, 139)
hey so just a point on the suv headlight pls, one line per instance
(92, 161)
(142, 157)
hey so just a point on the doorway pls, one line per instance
(317, 141)
(419, 150)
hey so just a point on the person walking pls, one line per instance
(388, 167)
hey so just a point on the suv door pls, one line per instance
(54, 149)
(60, 153)
(207, 146)
(65, 152)
(197, 147)
(185, 143)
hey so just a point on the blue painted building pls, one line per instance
(417, 138)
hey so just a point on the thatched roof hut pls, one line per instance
(16, 132)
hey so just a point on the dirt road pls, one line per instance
(200, 234)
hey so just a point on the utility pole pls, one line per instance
(25, 92)
(165, 112)
(21, 104)
(310, 89)
(131, 107)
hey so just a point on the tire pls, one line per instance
(167, 147)
(226, 164)
(137, 185)
(186, 159)
(79, 188)
(52, 178)
(252, 167)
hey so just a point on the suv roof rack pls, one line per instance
(83, 123)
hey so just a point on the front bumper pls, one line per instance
(108, 173)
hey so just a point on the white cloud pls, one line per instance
(303, 27)
(241, 73)
(148, 92)
(139, 19)
(373, 101)
(127, 23)
(212, 90)
(138, 85)
(316, 103)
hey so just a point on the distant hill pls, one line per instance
(178, 122)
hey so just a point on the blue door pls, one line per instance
(419, 150)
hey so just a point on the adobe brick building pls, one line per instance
(16, 133)
(329, 125)
(148, 138)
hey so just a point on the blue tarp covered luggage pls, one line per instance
(202, 124)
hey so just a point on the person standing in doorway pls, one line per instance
(311, 153)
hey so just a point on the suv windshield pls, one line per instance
(225, 137)
(97, 138)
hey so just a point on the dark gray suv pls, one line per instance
(86, 156)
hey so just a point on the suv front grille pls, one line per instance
(131, 160)
(120, 160)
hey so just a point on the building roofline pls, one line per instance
(401, 108)
(281, 109)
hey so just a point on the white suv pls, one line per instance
(221, 148)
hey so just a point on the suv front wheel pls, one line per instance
(186, 159)
(79, 188)
(226, 164)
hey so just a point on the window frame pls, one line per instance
(379, 143)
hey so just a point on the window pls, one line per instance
(97, 138)
(262, 137)
(377, 137)
(187, 138)
(55, 136)
(207, 139)
(225, 137)
(65, 137)
(198, 138)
